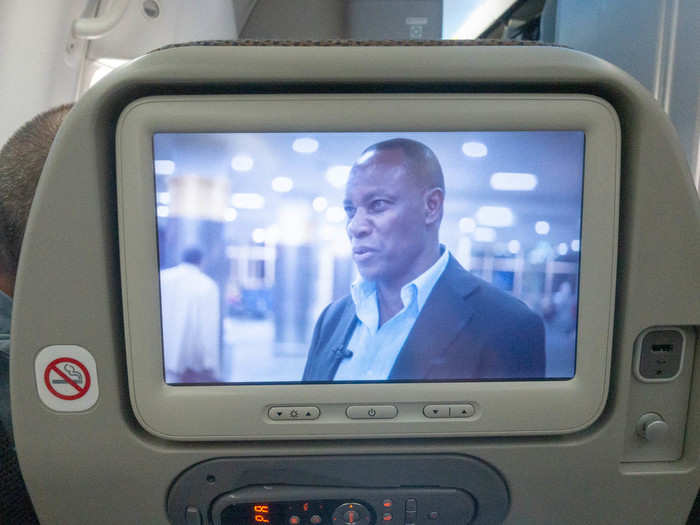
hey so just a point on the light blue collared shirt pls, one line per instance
(376, 348)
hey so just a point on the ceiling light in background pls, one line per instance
(514, 246)
(163, 211)
(338, 175)
(563, 248)
(305, 145)
(258, 235)
(242, 163)
(474, 149)
(319, 204)
(248, 201)
(282, 184)
(485, 235)
(507, 181)
(164, 167)
(542, 227)
(467, 225)
(495, 216)
(575, 245)
(163, 197)
(230, 214)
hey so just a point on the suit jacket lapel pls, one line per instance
(443, 316)
(329, 359)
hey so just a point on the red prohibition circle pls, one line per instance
(80, 391)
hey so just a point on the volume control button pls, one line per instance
(351, 514)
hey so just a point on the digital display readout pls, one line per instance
(261, 514)
(253, 514)
(281, 513)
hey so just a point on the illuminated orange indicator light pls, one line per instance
(260, 513)
(294, 520)
(387, 516)
(387, 503)
(306, 507)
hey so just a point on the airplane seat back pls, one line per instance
(86, 454)
(18, 506)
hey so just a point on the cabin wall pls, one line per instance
(656, 42)
(36, 73)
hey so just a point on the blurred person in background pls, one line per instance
(190, 309)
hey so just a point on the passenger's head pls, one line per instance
(393, 200)
(192, 255)
(22, 159)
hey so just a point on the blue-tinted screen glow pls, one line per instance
(259, 232)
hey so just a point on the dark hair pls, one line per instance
(22, 159)
(192, 255)
(420, 160)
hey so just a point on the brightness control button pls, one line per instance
(293, 413)
(372, 412)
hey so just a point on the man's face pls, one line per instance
(386, 218)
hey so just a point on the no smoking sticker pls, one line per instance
(66, 378)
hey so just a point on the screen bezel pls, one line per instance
(225, 412)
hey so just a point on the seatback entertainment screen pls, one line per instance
(368, 257)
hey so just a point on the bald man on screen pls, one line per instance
(415, 313)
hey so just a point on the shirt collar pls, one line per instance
(425, 282)
(364, 292)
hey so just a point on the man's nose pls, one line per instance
(358, 226)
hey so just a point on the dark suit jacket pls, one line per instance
(467, 329)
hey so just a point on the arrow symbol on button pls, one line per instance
(435, 411)
(279, 413)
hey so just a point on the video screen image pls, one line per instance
(367, 256)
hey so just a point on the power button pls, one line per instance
(372, 412)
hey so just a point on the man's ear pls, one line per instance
(433, 200)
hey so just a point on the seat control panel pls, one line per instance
(347, 489)
(311, 505)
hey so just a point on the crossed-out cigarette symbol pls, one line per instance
(70, 370)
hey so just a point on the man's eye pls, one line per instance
(378, 205)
